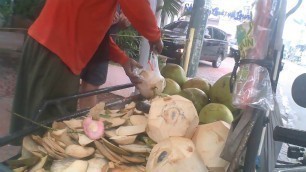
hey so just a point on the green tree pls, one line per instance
(5, 10)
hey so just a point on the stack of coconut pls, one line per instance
(213, 102)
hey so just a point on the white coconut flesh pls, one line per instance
(213, 136)
(153, 83)
(175, 154)
(171, 116)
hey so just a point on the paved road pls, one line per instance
(294, 114)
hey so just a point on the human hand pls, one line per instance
(129, 67)
(157, 46)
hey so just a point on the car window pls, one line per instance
(218, 34)
(181, 27)
(171, 25)
(208, 31)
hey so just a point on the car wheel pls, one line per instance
(217, 62)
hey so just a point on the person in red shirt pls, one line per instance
(95, 73)
(61, 42)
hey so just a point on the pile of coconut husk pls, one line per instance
(168, 138)
(66, 147)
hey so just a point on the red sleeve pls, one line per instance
(116, 54)
(141, 17)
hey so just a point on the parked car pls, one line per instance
(233, 50)
(214, 49)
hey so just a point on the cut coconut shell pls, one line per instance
(129, 106)
(58, 125)
(39, 165)
(28, 162)
(51, 152)
(84, 140)
(103, 150)
(77, 166)
(135, 159)
(60, 165)
(135, 148)
(121, 160)
(74, 123)
(31, 146)
(73, 134)
(97, 110)
(114, 148)
(123, 140)
(96, 164)
(128, 114)
(52, 144)
(116, 115)
(77, 151)
(62, 136)
(110, 133)
(115, 122)
(138, 120)
(130, 130)
(20, 169)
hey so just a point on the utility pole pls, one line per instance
(200, 12)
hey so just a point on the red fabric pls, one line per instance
(116, 54)
(73, 29)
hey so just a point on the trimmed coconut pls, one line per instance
(153, 83)
(220, 93)
(171, 116)
(199, 83)
(171, 87)
(215, 112)
(175, 154)
(197, 96)
(174, 72)
(209, 140)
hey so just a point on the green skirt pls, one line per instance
(41, 76)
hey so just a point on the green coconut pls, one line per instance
(199, 83)
(174, 72)
(220, 93)
(171, 87)
(197, 96)
(215, 112)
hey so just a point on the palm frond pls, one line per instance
(172, 7)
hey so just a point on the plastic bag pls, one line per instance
(254, 89)
(153, 82)
(253, 86)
